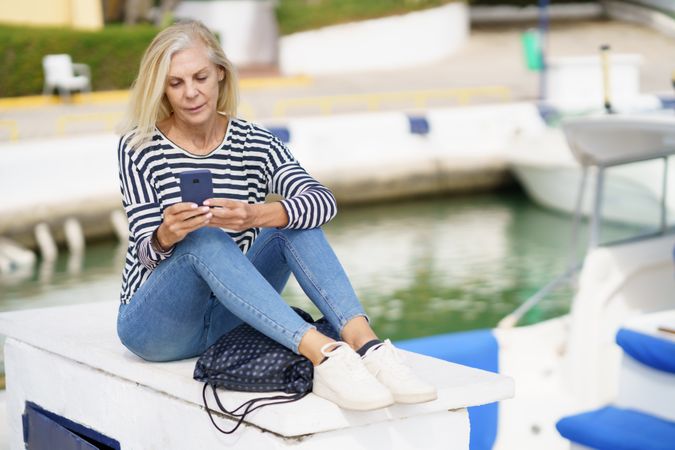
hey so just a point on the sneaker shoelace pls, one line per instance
(391, 359)
(352, 361)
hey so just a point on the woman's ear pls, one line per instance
(221, 74)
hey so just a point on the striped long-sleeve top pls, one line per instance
(249, 164)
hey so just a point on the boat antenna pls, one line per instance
(604, 58)
(543, 44)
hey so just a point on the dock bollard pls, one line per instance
(119, 223)
(45, 241)
(14, 257)
(74, 236)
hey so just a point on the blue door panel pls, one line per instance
(45, 430)
(42, 433)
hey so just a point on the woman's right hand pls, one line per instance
(179, 220)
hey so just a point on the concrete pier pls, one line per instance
(362, 157)
(68, 361)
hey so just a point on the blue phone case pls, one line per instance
(196, 186)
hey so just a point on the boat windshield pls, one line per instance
(626, 163)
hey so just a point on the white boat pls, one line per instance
(545, 167)
(572, 364)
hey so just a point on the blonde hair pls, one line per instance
(148, 104)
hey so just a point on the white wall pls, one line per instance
(387, 43)
(248, 29)
(577, 82)
(650, 17)
(352, 148)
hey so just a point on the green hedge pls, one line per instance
(113, 55)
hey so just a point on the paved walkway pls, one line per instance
(489, 68)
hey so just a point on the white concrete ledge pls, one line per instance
(44, 187)
(69, 360)
(387, 43)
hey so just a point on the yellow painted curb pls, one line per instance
(274, 82)
(38, 101)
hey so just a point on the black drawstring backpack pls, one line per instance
(244, 359)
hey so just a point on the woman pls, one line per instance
(186, 281)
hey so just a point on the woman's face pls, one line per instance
(192, 85)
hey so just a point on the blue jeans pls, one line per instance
(208, 286)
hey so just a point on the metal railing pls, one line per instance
(109, 119)
(513, 318)
(13, 128)
(373, 102)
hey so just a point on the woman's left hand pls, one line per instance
(231, 214)
(238, 216)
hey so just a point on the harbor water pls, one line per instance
(421, 267)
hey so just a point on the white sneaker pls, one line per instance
(385, 362)
(345, 381)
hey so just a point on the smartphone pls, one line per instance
(196, 186)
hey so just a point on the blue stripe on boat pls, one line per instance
(478, 349)
(612, 428)
(650, 350)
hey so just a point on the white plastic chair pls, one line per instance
(64, 75)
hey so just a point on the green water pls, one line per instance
(420, 267)
(450, 264)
